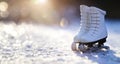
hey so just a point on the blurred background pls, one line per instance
(52, 12)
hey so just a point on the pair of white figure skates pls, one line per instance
(93, 30)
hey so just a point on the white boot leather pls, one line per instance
(93, 26)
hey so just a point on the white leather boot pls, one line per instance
(93, 29)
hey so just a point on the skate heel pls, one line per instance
(101, 42)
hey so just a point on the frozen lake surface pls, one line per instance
(38, 44)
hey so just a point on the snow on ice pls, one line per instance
(38, 44)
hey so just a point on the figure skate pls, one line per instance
(93, 30)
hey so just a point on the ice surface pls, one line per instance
(37, 44)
